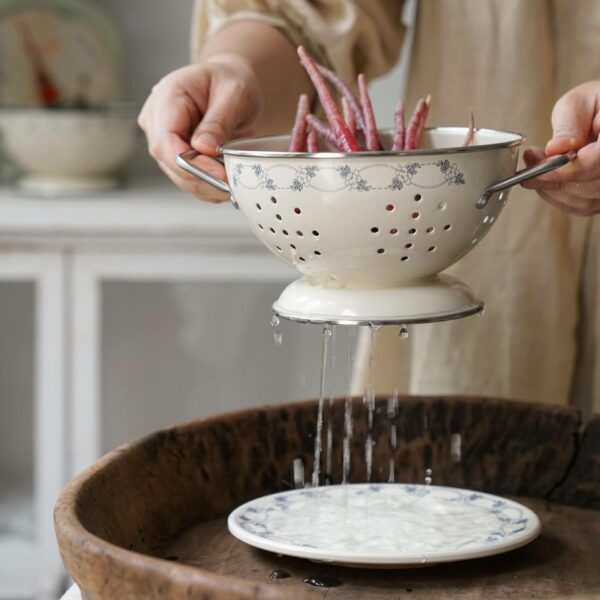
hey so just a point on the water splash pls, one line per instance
(403, 333)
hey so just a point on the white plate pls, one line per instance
(379, 525)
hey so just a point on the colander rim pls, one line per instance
(518, 141)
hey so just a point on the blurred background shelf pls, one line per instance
(123, 313)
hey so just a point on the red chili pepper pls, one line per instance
(372, 137)
(347, 94)
(344, 139)
(399, 128)
(299, 132)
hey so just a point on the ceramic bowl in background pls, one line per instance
(62, 151)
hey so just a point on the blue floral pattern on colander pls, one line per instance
(336, 178)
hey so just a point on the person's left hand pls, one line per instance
(574, 188)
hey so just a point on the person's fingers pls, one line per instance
(230, 106)
(572, 119)
(585, 167)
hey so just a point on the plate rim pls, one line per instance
(353, 557)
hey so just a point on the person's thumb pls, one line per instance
(571, 122)
(217, 124)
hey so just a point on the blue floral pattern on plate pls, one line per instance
(373, 522)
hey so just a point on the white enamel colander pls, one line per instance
(371, 231)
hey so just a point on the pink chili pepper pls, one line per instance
(320, 127)
(372, 136)
(347, 93)
(423, 118)
(299, 132)
(399, 129)
(348, 116)
(312, 142)
(471, 133)
(413, 125)
(344, 139)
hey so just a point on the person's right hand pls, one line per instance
(200, 106)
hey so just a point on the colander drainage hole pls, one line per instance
(380, 251)
(297, 211)
(278, 217)
(292, 246)
(418, 198)
(447, 227)
(271, 230)
(299, 234)
(408, 246)
(258, 206)
(284, 232)
(389, 207)
(412, 231)
(260, 227)
(315, 233)
(430, 230)
(273, 200)
(317, 253)
(374, 229)
(301, 259)
(416, 215)
(404, 258)
(393, 231)
(442, 206)
(431, 249)
(279, 248)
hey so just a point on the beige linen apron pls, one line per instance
(538, 269)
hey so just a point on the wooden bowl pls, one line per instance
(148, 520)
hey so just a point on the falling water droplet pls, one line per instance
(428, 479)
(369, 455)
(298, 470)
(482, 311)
(275, 321)
(392, 473)
(278, 337)
(423, 559)
(403, 333)
(455, 447)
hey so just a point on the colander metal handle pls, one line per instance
(183, 161)
(523, 175)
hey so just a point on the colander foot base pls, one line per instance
(441, 299)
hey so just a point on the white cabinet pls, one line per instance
(121, 313)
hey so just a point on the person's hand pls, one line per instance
(200, 106)
(574, 188)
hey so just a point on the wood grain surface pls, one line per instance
(115, 522)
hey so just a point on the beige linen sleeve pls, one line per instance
(350, 36)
